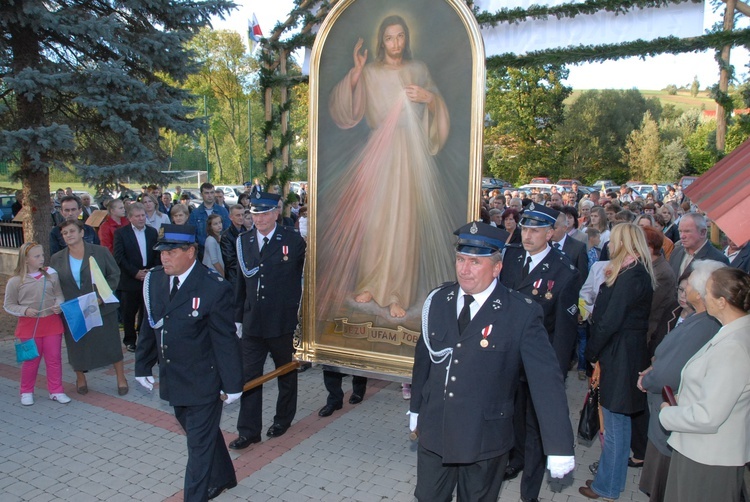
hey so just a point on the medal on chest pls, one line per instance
(484, 343)
(285, 252)
(548, 294)
(537, 285)
(196, 304)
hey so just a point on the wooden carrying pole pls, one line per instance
(257, 382)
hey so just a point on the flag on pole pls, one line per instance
(97, 278)
(253, 31)
(82, 314)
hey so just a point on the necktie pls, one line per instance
(464, 318)
(175, 287)
(527, 267)
(265, 243)
(557, 246)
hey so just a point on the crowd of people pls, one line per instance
(659, 307)
(545, 284)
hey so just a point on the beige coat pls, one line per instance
(24, 292)
(711, 423)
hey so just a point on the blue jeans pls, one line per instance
(613, 462)
(583, 331)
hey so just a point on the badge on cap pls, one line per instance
(473, 230)
(257, 195)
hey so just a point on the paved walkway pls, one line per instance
(105, 447)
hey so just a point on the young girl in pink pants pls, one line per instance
(33, 294)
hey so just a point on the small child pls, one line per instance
(34, 295)
(595, 238)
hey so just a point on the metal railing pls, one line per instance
(11, 234)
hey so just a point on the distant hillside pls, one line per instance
(682, 100)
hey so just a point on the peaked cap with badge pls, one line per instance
(480, 239)
(263, 202)
(537, 215)
(174, 236)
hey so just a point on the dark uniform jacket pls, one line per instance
(269, 287)
(575, 250)
(128, 256)
(470, 418)
(197, 346)
(557, 276)
(228, 246)
(742, 260)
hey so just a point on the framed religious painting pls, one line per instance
(396, 117)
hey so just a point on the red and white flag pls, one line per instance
(253, 31)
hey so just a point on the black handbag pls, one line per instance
(588, 425)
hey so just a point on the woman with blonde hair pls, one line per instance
(617, 342)
(114, 220)
(33, 295)
(154, 218)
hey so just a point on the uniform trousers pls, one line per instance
(332, 381)
(132, 313)
(255, 350)
(477, 482)
(528, 451)
(209, 464)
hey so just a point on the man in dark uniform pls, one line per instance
(551, 280)
(476, 336)
(190, 332)
(229, 242)
(270, 258)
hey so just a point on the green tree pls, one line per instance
(223, 84)
(695, 87)
(84, 86)
(641, 152)
(524, 107)
(673, 159)
(596, 129)
(701, 149)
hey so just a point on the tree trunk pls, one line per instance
(37, 206)
(721, 113)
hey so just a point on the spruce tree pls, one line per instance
(89, 85)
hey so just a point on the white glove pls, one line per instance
(239, 329)
(412, 420)
(559, 466)
(232, 398)
(147, 382)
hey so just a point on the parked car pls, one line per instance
(568, 182)
(230, 194)
(605, 183)
(644, 190)
(685, 181)
(6, 203)
(540, 180)
(195, 198)
(540, 187)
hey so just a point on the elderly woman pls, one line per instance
(180, 214)
(670, 357)
(510, 218)
(101, 345)
(709, 425)
(584, 211)
(618, 342)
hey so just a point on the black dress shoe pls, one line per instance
(276, 430)
(637, 465)
(327, 410)
(130, 347)
(511, 472)
(215, 492)
(242, 442)
(355, 399)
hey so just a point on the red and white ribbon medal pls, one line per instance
(285, 251)
(196, 304)
(537, 285)
(550, 285)
(484, 343)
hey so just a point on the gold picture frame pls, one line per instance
(396, 121)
